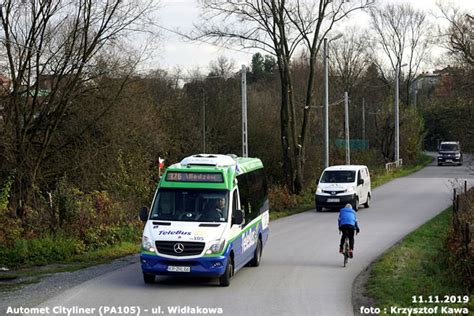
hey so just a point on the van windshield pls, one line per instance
(338, 176)
(191, 205)
(449, 147)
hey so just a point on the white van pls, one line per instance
(343, 184)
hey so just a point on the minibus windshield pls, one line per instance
(338, 176)
(191, 205)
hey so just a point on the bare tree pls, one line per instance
(349, 58)
(51, 50)
(222, 67)
(279, 28)
(403, 34)
(459, 34)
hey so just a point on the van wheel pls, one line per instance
(224, 280)
(367, 204)
(355, 205)
(257, 256)
(148, 278)
(317, 207)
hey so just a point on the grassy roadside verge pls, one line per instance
(11, 280)
(378, 177)
(381, 176)
(417, 266)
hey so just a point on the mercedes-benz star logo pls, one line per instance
(178, 247)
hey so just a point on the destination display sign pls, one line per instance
(209, 177)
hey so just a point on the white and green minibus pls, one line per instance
(209, 218)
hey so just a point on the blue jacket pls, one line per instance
(347, 216)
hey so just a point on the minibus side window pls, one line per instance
(235, 201)
(253, 194)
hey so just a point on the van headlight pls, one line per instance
(458, 155)
(318, 190)
(216, 247)
(147, 245)
(350, 190)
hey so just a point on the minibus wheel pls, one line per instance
(224, 280)
(257, 256)
(148, 278)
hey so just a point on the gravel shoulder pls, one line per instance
(51, 285)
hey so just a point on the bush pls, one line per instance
(102, 236)
(280, 198)
(10, 229)
(41, 250)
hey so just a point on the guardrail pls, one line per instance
(393, 165)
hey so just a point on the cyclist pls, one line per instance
(347, 225)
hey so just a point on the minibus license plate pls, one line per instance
(179, 269)
(449, 160)
(333, 200)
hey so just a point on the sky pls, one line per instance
(175, 52)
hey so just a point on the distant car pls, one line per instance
(343, 184)
(449, 153)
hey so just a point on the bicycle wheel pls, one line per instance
(346, 251)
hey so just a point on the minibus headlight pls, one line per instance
(318, 190)
(351, 189)
(147, 245)
(216, 247)
(458, 155)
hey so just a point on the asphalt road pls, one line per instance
(301, 271)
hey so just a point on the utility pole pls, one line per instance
(244, 112)
(397, 131)
(397, 123)
(346, 111)
(203, 121)
(326, 105)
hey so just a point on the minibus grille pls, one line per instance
(179, 248)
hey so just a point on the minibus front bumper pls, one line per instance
(201, 267)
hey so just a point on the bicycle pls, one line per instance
(345, 251)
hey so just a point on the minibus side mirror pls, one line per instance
(144, 214)
(360, 182)
(238, 217)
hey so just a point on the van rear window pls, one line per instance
(338, 176)
(209, 177)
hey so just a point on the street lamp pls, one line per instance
(397, 123)
(245, 149)
(326, 99)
